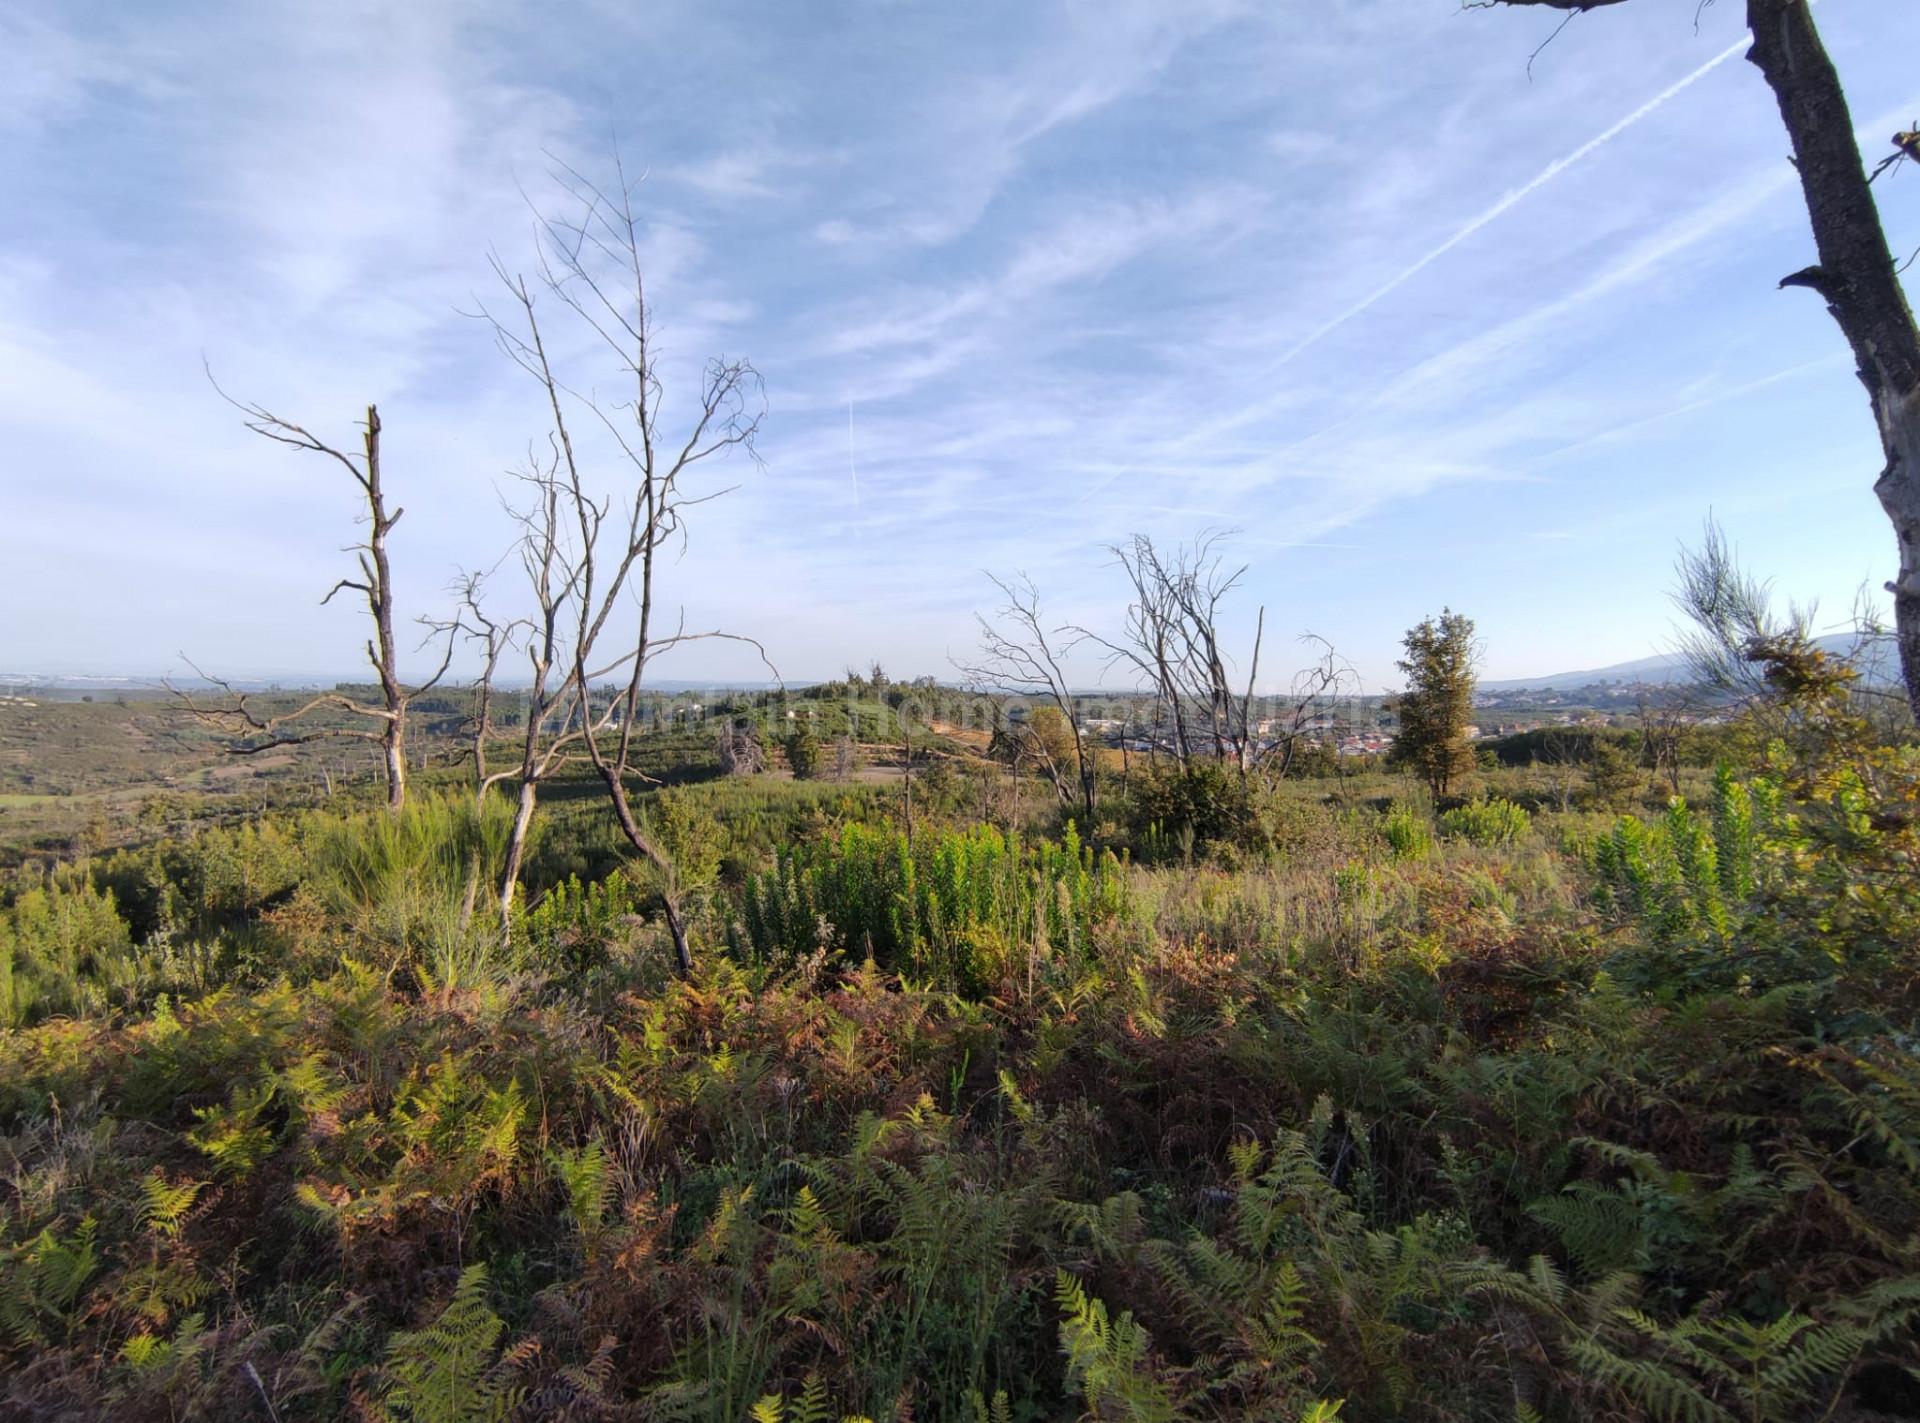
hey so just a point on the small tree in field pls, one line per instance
(1611, 776)
(1434, 709)
(803, 754)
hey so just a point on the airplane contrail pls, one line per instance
(1491, 214)
(1539, 180)
(852, 472)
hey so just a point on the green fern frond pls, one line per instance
(164, 1207)
(42, 1280)
(998, 1409)
(1109, 1360)
(450, 1370)
(234, 1136)
(588, 1181)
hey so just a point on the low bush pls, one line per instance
(1486, 822)
(1409, 834)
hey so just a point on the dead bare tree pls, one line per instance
(1328, 679)
(741, 753)
(585, 561)
(1172, 637)
(1663, 724)
(257, 732)
(1152, 640)
(552, 585)
(846, 757)
(1855, 274)
(492, 639)
(1017, 654)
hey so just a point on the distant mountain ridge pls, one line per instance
(1879, 665)
(1662, 669)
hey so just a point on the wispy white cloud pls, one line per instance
(1491, 214)
(1339, 275)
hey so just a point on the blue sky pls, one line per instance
(1021, 279)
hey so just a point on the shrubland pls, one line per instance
(1251, 1102)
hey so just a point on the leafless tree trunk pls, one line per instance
(586, 567)
(551, 586)
(1662, 724)
(1328, 680)
(1173, 639)
(1152, 642)
(375, 586)
(516, 855)
(1022, 659)
(1855, 274)
(740, 751)
(494, 639)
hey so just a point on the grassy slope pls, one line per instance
(1431, 1130)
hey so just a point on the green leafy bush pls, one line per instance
(64, 949)
(950, 906)
(803, 754)
(1183, 811)
(1491, 821)
(1408, 833)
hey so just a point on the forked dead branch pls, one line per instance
(254, 732)
(598, 516)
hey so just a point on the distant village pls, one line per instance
(1365, 726)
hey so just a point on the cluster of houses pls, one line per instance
(1368, 734)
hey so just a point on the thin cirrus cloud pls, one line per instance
(1020, 285)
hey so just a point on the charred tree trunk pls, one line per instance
(1855, 274)
(1856, 277)
(382, 651)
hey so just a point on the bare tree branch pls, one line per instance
(1017, 654)
(582, 564)
(374, 585)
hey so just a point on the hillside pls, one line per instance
(1271, 1103)
(1876, 658)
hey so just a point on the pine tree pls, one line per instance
(803, 754)
(1434, 709)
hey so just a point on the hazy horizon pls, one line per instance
(1428, 330)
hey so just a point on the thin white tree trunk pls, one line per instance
(1899, 491)
(516, 852)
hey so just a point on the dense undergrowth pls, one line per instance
(1494, 1116)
